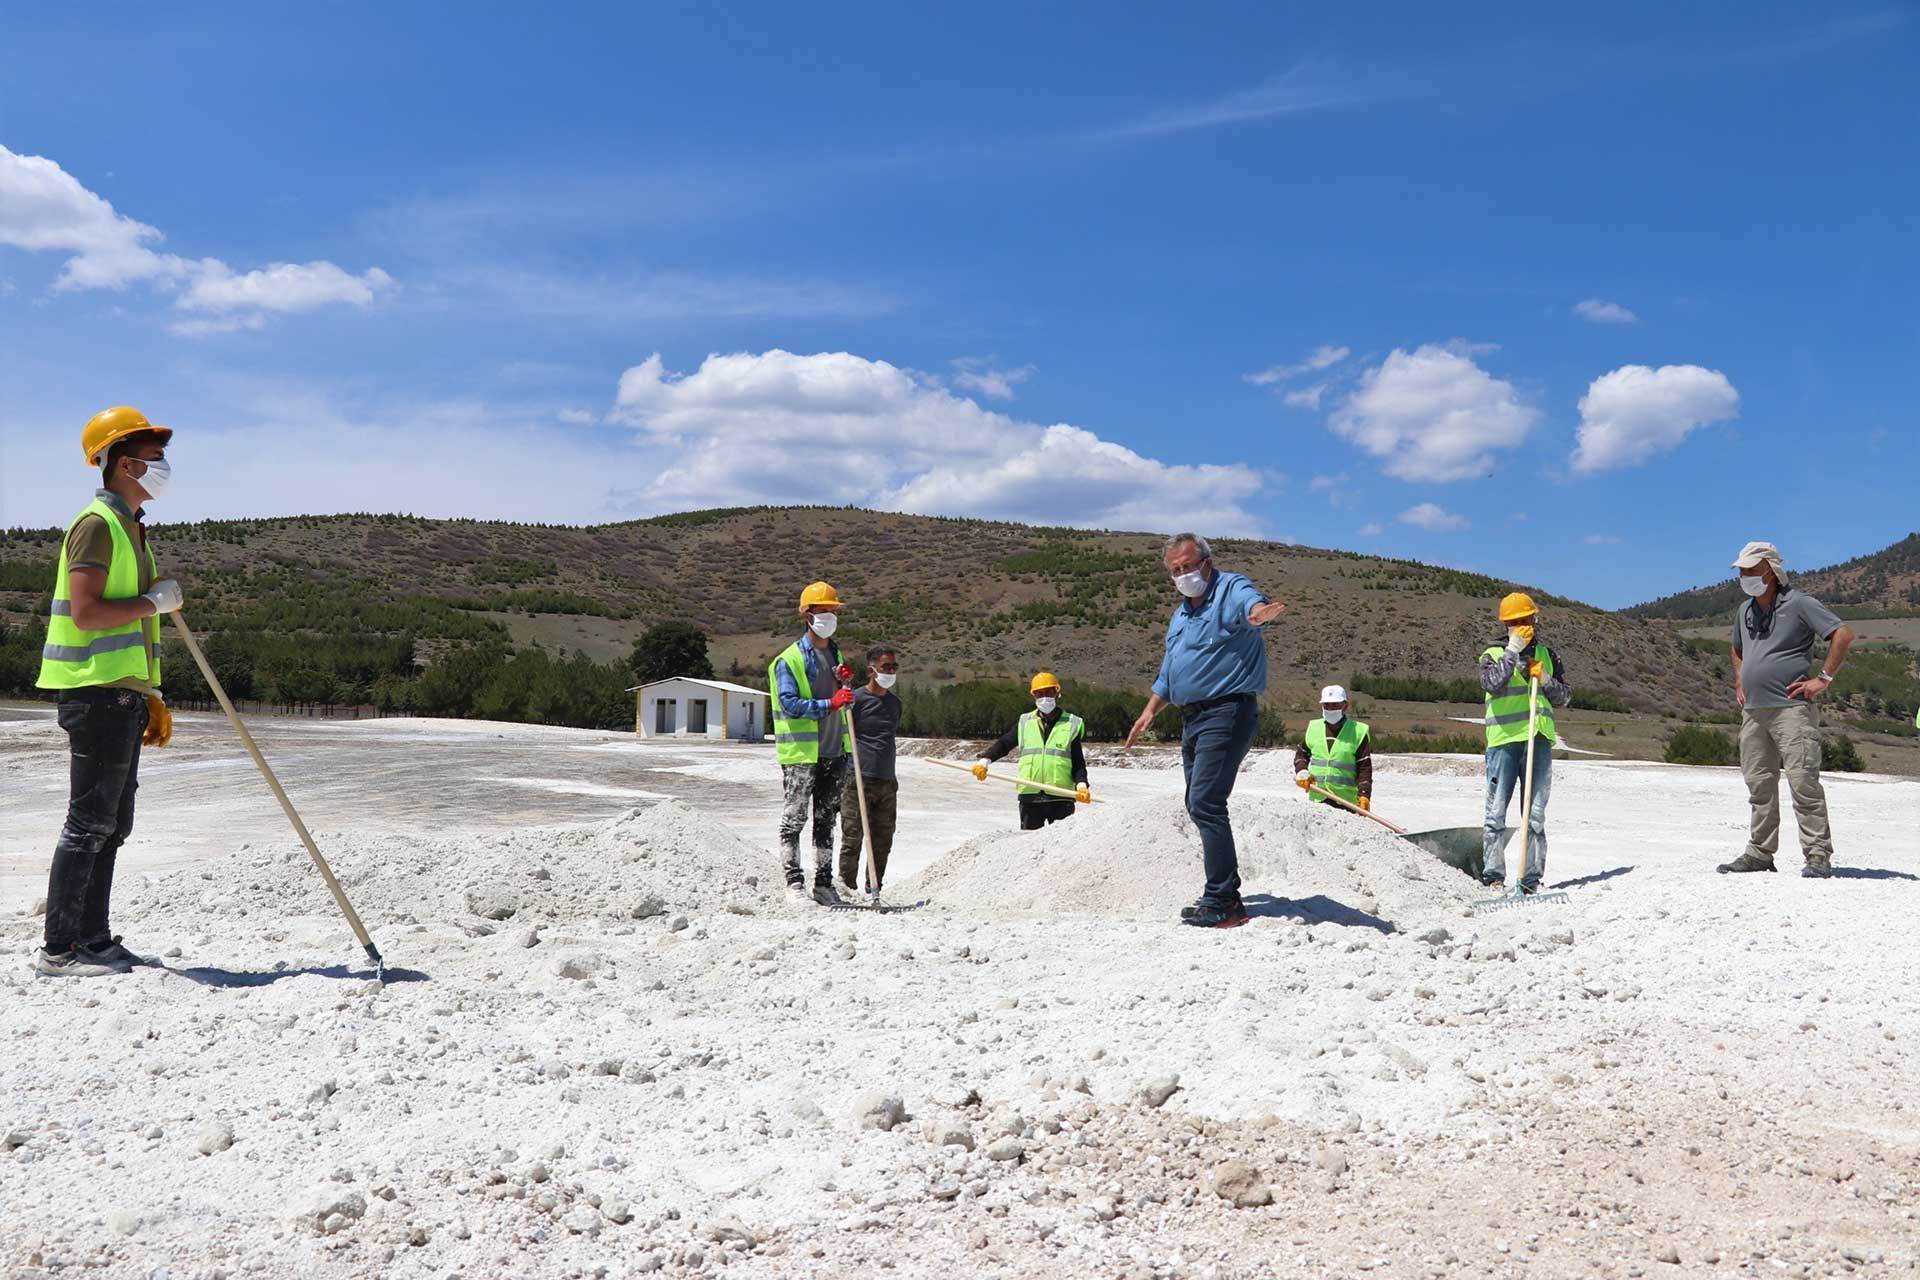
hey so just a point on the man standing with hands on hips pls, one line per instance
(1215, 670)
(1773, 637)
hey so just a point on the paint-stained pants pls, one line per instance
(103, 727)
(883, 808)
(1505, 764)
(815, 789)
(1776, 740)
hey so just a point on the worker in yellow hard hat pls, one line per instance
(1509, 669)
(811, 686)
(1053, 763)
(101, 657)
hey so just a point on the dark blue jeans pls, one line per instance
(1214, 738)
(103, 727)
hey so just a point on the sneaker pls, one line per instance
(1529, 885)
(1492, 879)
(1210, 915)
(1746, 862)
(824, 895)
(110, 950)
(1818, 869)
(77, 963)
(1188, 913)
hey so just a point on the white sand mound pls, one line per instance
(650, 861)
(1141, 861)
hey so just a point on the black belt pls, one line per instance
(1192, 707)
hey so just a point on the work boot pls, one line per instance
(1529, 885)
(823, 892)
(1746, 862)
(1212, 915)
(1819, 867)
(77, 963)
(1492, 879)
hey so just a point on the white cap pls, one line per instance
(1333, 693)
(1754, 554)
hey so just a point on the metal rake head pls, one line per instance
(1511, 901)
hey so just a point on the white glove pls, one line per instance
(1514, 643)
(165, 595)
(1302, 776)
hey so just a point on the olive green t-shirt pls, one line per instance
(90, 545)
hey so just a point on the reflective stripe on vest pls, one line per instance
(1506, 712)
(794, 741)
(1047, 758)
(76, 659)
(1334, 763)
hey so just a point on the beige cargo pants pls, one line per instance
(1773, 739)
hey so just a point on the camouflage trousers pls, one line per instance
(815, 789)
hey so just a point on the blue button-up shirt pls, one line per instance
(1212, 650)
(820, 667)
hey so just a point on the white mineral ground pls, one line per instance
(609, 1046)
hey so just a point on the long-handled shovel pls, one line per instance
(866, 816)
(266, 771)
(1062, 792)
(1518, 897)
(1461, 848)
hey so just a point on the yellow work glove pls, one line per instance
(1303, 780)
(1366, 804)
(1082, 794)
(1525, 634)
(980, 772)
(159, 723)
(1535, 671)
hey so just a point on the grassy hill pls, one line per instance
(1885, 583)
(966, 598)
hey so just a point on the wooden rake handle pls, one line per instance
(1062, 792)
(1322, 791)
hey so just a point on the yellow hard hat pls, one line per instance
(1516, 606)
(1044, 680)
(820, 593)
(115, 424)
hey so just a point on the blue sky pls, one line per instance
(1587, 301)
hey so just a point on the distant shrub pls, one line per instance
(1840, 755)
(1586, 701)
(1696, 744)
(1453, 744)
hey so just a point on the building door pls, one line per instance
(664, 715)
(697, 715)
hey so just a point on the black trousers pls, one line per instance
(104, 727)
(1037, 811)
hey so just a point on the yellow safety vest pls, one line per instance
(76, 659)
(794, 741)
(1507, 710)
(1047, 758)
(1334, 762)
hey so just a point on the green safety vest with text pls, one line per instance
(1047, 758)
(794, 741)
(1507, 710)
(76, 659)
(1334, 763)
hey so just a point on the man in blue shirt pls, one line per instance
(1214, 670)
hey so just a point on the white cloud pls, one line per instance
(1433, 415)
(45, 209)
(976, 374)
(578, 417)
(1372, 530)
(1635, 412)
(1323, 357)
(1601, 540)
(1600, 311)
(1302, 88)
(838, 428)
(1305, 397)
(1321, 483)
(1434, 518)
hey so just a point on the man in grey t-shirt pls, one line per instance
(876, 725)
(1773, 638)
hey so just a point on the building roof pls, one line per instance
(711, 684)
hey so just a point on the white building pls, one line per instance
(687, 708)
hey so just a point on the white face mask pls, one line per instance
(1333, 717)
(157, 477)
(824, 624)
(1191, 585)
(1046, 705)
(1753, 584)
(885, 679)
